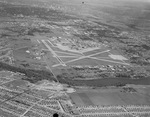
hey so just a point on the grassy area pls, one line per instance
(32, 75)
(109, 97)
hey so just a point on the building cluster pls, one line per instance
(28, 102)
(76, 44)
(124, 110)
(80, 44)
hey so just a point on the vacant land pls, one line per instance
(108, 97)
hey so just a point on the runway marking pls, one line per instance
(93, 49)
(69, 56)
(109, 61)
(70, 61)
(103, 57)
(51, 43)
(77, 56)
(90, 56)
(38, 41)
(54, 54)
(82, 57)
(98, 53)
(68, 53)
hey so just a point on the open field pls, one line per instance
(24, 59)
(109, 97)
(112, 102)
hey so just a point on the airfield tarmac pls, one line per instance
(91, 57)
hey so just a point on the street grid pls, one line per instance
(27, 103)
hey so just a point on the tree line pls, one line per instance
(32, 75)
